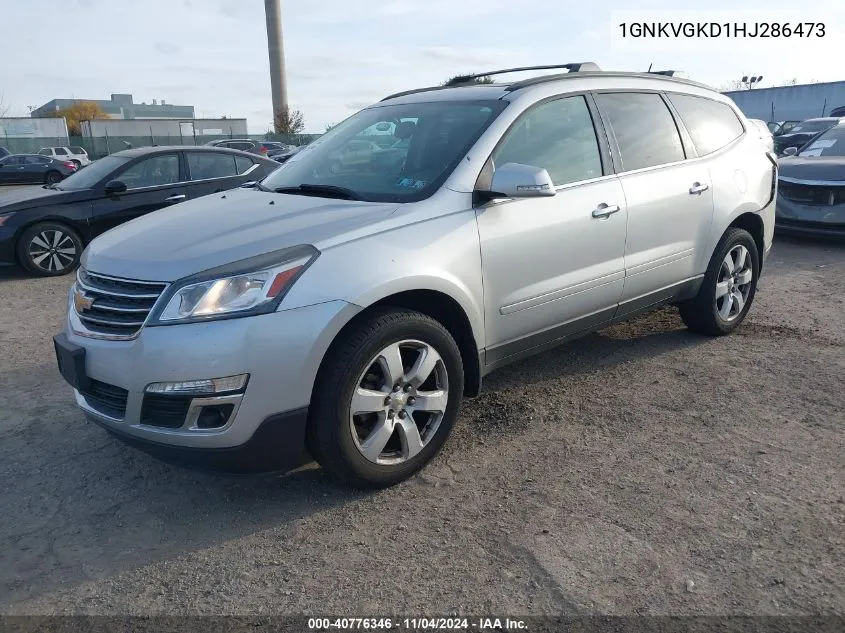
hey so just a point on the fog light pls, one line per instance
(193, 387)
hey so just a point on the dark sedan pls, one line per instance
(45, 229)
(803, 133)
(17, 169)
(811, 188)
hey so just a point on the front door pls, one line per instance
(552, 266)
(152, 183)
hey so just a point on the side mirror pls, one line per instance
(115, 186)
(513, 180)
(790, 151)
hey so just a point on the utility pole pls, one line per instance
(275, 46)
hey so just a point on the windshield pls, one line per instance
(94, 173)
(811, 126)
(393, 153)
(831, 143)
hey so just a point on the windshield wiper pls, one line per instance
(323, 191)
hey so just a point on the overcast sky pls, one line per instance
(341, 54)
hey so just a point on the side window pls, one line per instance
(644, 129)
(711, 124)
(243, 163)
(152, 172)
(61, 151)
(205, 165)
(558, 136)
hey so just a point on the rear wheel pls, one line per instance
(49, 249)
(728, 288)
(52, 177)
(386, 399)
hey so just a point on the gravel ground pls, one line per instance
(641, 470)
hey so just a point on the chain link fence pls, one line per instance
(103, 146)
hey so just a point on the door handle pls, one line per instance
(605, 210)
(176, 198)
(699, 187)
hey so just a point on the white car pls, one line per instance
(76, 155)
(765, 133)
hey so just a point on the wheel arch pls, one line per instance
(442, 307)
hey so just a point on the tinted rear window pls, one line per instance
(711, 124)
(644, 129)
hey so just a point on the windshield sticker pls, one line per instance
(411, 183)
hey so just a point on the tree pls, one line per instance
(288, 122)
(463, 80)
(78, 112)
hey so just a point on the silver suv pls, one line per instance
(341, 309)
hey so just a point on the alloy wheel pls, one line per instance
(734, 283)
(399, 402)
(52, 250)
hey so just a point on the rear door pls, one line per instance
(212, 172)
(153, 182)
(670, 200)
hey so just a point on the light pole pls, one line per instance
(276, 49)
(750, 81)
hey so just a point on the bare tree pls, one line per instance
(462, 80)
(288, 122)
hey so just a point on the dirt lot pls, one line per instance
(640, 470)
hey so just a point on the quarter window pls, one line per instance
(152, 172)
(206, 165)
(644, 129)
(558, 136)
(711, 124)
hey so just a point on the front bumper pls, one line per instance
(280, 351)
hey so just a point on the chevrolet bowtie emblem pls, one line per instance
(81, 301)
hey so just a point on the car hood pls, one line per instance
(32, 197)
(813, 168)
(194, 236)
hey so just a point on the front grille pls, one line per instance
(165, 411)
(106, 398)
(812, 195)
(119, 306)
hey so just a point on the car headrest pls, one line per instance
(405, 129)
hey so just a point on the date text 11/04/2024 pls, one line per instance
(456, 623)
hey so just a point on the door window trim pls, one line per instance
(602, 139)
(615, 151)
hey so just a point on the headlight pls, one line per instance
(250, 287)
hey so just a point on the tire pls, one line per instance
(708, 312)
(52, 177)
(49, 249)
(345, 443)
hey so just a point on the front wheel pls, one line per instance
(386, 398)
(728, 287)
(49, 249)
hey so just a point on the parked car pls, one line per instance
(765, 134)
(32, 168)
(350, 311)
(243, 144)
(803, 133)
(76, 155)
(45, 230)
(781, 127)
(811, 191)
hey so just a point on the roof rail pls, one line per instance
(670, 73)
(576, 67)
